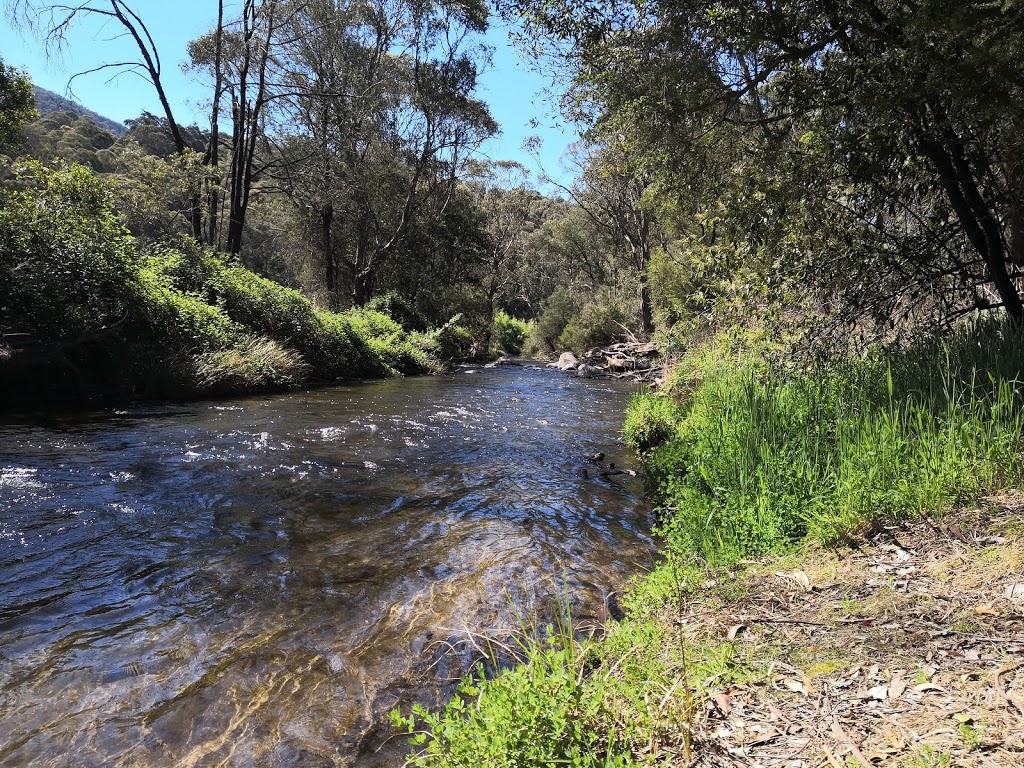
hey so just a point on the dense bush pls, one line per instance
(571, 321)
(508, 334)
(66, 264)
(399, 310)
(544, 712)
(179, 321)
(650, 421)
(598, 323)
(559, 310)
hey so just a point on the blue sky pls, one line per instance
(511, 87)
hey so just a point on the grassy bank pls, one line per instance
(753, 468)
(88, 313)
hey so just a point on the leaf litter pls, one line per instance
(905, 650)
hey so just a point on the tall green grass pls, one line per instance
(761, 458)
(628, 700)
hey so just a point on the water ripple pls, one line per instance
(257, 581)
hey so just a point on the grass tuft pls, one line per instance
(255, 365)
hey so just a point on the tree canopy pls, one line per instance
(16, 104)
(863, 153)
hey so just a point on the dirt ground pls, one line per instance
(905, 649)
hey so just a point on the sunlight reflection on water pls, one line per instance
(259, 581)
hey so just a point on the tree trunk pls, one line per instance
(979, 222)
(213, 149)
(327, 248)
(362, 288)
(646, 308)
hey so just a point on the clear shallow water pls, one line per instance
(257, 582)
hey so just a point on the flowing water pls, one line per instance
(257, 582)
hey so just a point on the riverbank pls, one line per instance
(235, 334)
(822, 541)
(90, 314)
(194, 324)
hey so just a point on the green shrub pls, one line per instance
(187, 267)
(650, 420)
(559, 310)
(264, 307)
(544, 712)
(338, 350)
(373, 324)
(598, 323)
(181, 322)
(448, 343)
(399, 310)
(583, 704)
(508, 334)
(67, 265)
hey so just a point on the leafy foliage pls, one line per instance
(543, 712)
(509, 333)
(67, 265)
(17, 105)
(852, 164)
(650, 421)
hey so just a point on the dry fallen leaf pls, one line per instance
(795, 685)
(985, 610)
(929, 687)
(799, 577)
(879, 692)
(897, 686)
(723, 702)
(735, 630)
(987, 541)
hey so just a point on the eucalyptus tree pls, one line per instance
(614, 193)
(245, 59)
(868, 150)
(377, 122)
(506, 202)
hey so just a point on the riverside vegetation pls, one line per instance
(749, 461)
(100, 314)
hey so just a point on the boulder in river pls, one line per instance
(566, 362)
(504, 360)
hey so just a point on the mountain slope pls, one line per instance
(48, 101)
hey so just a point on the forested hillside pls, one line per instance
(338, 162)
(48, 101)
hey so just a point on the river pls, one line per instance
(258, 581)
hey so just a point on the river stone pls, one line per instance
(588, 372)
(566, 362)
(504, 360)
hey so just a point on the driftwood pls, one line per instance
(632, 360)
